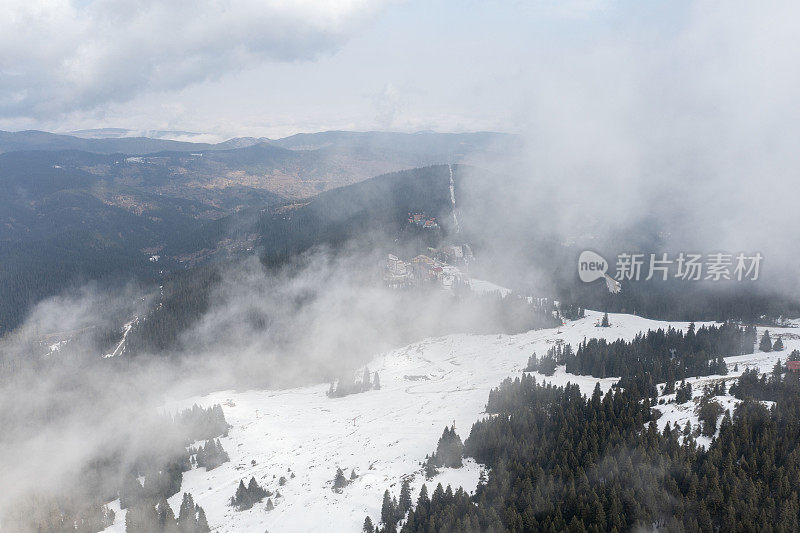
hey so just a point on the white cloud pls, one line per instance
(60, 56)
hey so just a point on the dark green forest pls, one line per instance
(561, 461)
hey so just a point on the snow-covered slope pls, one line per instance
(762, 361)
(382, 434)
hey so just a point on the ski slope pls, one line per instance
(384, 434)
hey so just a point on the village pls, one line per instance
(443, 267)
(422, 220)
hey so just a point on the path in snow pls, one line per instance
(121, 346)
(453, 198)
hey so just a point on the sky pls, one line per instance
(271, 68)
(626, 102)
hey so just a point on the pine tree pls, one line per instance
(778, 346)
(366, 384)
(405, 497)
(240, 499)
(166, 517)
(247, 496)
(388, 510)
(376, 381)
(368, 527)
(766, 343)
(423, 502)
(141, 518)
(130, 492)
(339, 481)
(187, 522)
(202, 523)
(430, 467)
(605, 323)
(449, 450)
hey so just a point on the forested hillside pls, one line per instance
(560, 461)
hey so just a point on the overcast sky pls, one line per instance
(276, 67)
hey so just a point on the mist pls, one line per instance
(684, 127)
(319, 318)
(689, 135)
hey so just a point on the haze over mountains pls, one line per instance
(82, 208)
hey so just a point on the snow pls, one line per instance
(383, 434)
(762, 361)
(53, 348)
(453, 198)
(483, 287)
(121, 346)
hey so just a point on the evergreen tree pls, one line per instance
(376, 381)
(166, 517)
(449, 450)
(339, 481)
(368, 527)
(202, 522)
(211, 455)
(388, 511)
(778, 346)
(766, 343)
(684, 393)
(130, 492)
(430, 467)
(187, 521)
(405, 497)
(605, 323)
(247, 496)
(141, 518)
(366, 384)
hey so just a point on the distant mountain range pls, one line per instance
(248, 171)
(118, 140)
(117, 133)
(77, 207)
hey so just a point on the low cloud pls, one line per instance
(68, 55)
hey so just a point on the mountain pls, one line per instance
(118, 133)
(248, 171)
(423, 142)
(48, 193)
(40, 140)
(384, 435)
(117, 140)
(61, 225)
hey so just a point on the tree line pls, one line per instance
(562, 461)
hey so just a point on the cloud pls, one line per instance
(60, 56)
(685, 121)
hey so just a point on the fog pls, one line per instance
(691, 133)
(686, 127)
(318, 318)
